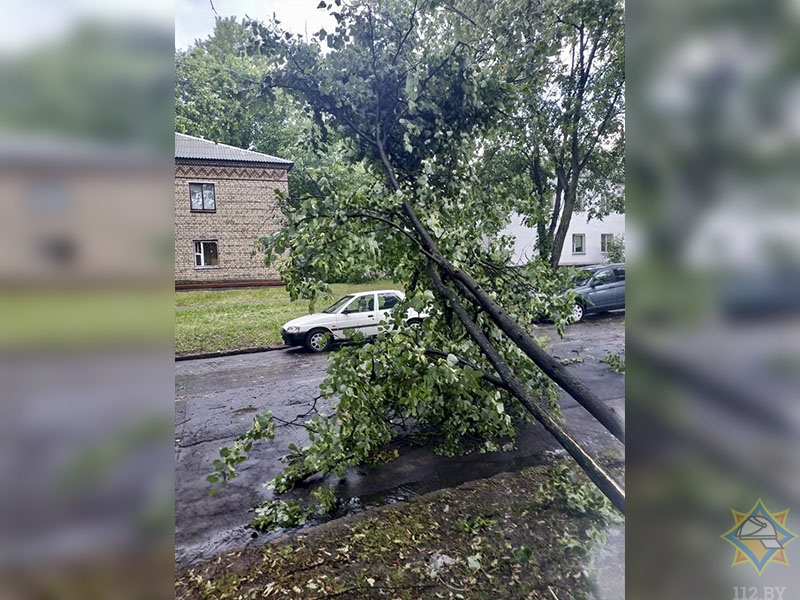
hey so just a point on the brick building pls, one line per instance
(80, 212)
(224, 201)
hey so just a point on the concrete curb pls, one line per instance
(221, 353)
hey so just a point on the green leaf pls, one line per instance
(474, 562)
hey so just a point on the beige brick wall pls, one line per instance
(246, 210)
(115, 221)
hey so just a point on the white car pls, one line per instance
(361, 312)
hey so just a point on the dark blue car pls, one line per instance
(598, 288)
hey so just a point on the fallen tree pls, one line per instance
(412, 88)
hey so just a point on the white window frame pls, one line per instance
(605, 238)
(582, 237)
(199, 254)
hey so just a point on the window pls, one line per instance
(620, 273)
(57, 251)
(387, 301)
(579, 243)
(201, 196)
(50, 197)
(606, 239)
(205, 254)
(605, 276)
(361, 304)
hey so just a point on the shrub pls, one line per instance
(615, 250)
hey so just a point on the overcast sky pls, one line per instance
(26, 24)
(194, 19)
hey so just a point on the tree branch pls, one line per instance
(595, 471)
(601, 129)
(411, 25)
(551, 367)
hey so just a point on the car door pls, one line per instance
(387, 301)
(603, 293)
(360, 315)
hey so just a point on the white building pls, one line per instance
(585, 243)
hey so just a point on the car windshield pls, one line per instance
(338, 304)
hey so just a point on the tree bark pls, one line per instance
(563, 226)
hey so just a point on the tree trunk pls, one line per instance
(553, 222)
(563, 226)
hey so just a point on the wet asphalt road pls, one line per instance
(217, 398)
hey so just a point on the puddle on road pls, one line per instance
(237, 538)
(356, 505)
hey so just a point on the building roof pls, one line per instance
(22, 150)
(188, 147)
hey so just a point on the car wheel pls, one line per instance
(318, 340)
(414, 322)
(577, 312)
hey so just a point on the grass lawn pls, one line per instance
(84, 319)
(217, 320)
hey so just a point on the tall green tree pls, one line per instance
(218, 94)
(561, 143)
(414, 88)
(101, 82)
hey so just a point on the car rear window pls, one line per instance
(387, 301)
